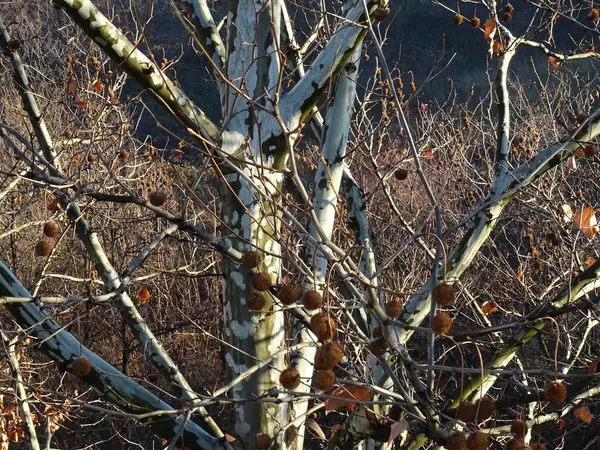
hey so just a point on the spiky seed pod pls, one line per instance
(312, 299)
(289, 293)
(590, 150)
(594, 15)
(509, 8)
(393, 308)
(324, 327)
(263, 441)
(466, 412)
(443, 294)
(81, 366)
(43, 248)
(485, 407)
(401, 174)
(456, 441)
(377, 347)
(458, 19)
(51, 229)
(261, 281)
(518, 428)
(555, 392)
(289, 378)
(251, 259)
(328, 356)
(323, 379)
(157, 198)
(475, 22)
(441, 323)
(507, 17)
(515, 444)
(381, 13)
(539, 446)
(255, 301)
(478, 441)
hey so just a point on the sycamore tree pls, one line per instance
(383, 255)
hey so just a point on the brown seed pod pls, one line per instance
(328, 356)
(539, 446)
(509, 8)
(594, 15)
(43, 248)
(515, 444)
(81, 366)
(485, 407)
(263, 441)
(590, 150)
(443, 294)
(255, 301)
(458, 19)
(442, 323)
(456, 441)
(507, 17)
(478, 441)
(261, 281)
(323, 379)
(251, 259)
(289, 378)
(324, 327)
(91, 157)
(312, 299)
(123, 154)
(381, 13)
(401, 174)
(466, 412)
(289, 293)
(157, 198)
(51, 229)
(393, 308)
(518, 428)
(475, 22)
(555, 392)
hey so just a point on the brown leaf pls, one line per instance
(72, 86)
(350, 392)
(229, 438)
(592, 368)
(489, 308)
(584, 414)
(489, 28)
(497, 47)
(97, 85)
(310, 423)
(585, 219)
(589, 260)
(81, 104)
(397, 429)
(143, 295)
(554, 62)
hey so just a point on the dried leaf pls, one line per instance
(554, 62)
(81, 104)
(592, 368)
(310, 423)
(571, 163)
(176, 154)
(229, 438)
(584, 414)
(589, 260)
(585, 219)
(72, 86)
(428, 154)
(489, 28)
(143, 295)
(97, 85)
(397, 429)
(567, 213)
(350, 392)
(497, 47)
(489, 308)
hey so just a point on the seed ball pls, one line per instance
(157, 198)
(478, 441)
(515, 444)
(466, 412)
(263, 441)
(519, 428)
(593, 15)
(251, 259)
(328, 356)
(123, 154)
(458, 19)
(507, 17)
(80, 367)
(43, 248)
(401, 174)
(485, 408)
(393, 308)
(475, 22)
(312, 299)
(91, 157)
(255, 301)
(323, 327)
(441, 323)
(289, 378)
(555, 392)
(51, 229)
(443, 294)
(509, 8)
(261, 281)
(323, 379)
(381, 13)
(590, 150)
(456, 441)
(289, 293)
(539, 446)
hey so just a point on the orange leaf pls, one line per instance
(489, 308)
(497, 47)
(72, 86)
(143, 295)
(349, 392)
(489, 28)
(81, 104)
(585, 219)
(589, 260)
(98, 85)
(584, 414)
(428, 154)
(554, 62)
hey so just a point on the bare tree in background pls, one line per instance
(378, 314)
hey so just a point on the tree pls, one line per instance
(305, 289)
